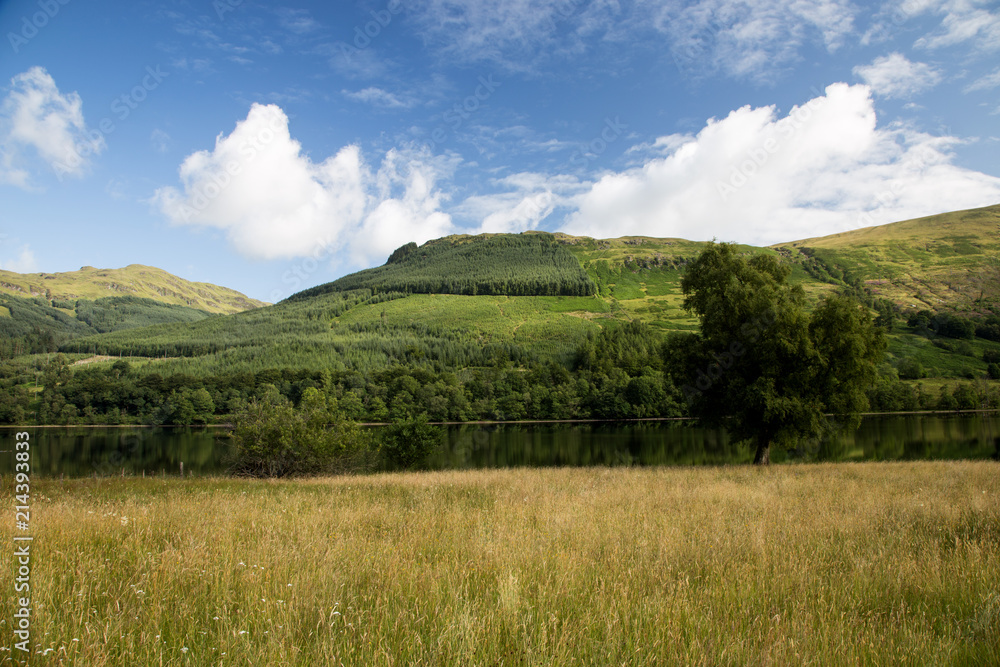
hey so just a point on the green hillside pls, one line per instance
(135, 280)
(491, 327)
(949, 261)
(37, 325)
(42, 311)
(509, 265)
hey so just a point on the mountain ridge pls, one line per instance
(138, 280)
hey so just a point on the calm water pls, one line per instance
(82, 452)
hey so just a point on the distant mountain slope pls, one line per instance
(380, 317)
(507, 264)
(39, 325)
(134, 280)
(949, 261)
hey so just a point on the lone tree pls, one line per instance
(761, 365)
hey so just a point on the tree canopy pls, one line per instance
(761, 364)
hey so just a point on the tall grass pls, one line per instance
(799, 564)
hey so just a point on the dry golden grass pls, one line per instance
(800, 564)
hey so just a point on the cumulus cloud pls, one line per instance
(273, 201)
(895, 76)
(755, 177)
(38, 122)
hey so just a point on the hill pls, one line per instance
(42, 311)
(504, 264)
(419, 335)
(134, 280)
(942, 262)
(457, 295)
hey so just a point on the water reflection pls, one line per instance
(82, 452)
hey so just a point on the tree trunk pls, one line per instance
(763, 455)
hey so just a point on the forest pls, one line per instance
(513, 265)
(36, 325)
(620, 373)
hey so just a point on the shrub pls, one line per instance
(273, 439)
(407, 444)
(911, 369)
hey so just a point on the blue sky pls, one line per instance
(272, 147)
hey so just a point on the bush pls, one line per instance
(993, 371)
(966, 398)
(911, 369)
(407, 444)
(273, 439)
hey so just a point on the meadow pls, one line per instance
(889, 563)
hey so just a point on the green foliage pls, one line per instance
(408, 443)
(469, 357)
(33, 326)
(272, 439)
(911, 369)
(525, 265)
(631, 347)
(760, 364)
(130, 312)
(36, 325)
(942, 324)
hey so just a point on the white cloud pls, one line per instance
(987, 82)
(748, 39)
(510, 212)
(895, 76)
(24, 262)
(36, 116)
(509, 32)
(273, 201)
(297, 21)
(379, 97)
(962, 21)
(742, 38)
(754, 177)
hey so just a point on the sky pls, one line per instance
(270, 147)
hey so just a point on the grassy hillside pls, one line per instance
(949, 261)
(134, 280)
(505, 264)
